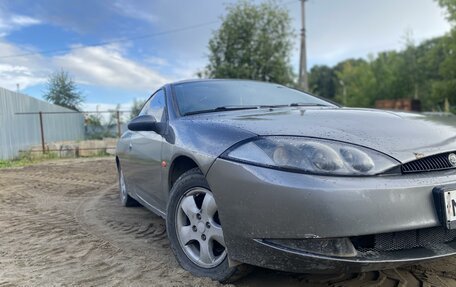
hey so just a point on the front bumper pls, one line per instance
(259, 206)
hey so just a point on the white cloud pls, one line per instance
(24, 20)
(107, 66)
(9, 23)
(26, 71)
(156, 61)
(187, 69)
(128, 9)
(97, 66)
(24, 78)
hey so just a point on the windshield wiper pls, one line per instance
(222, 109)
(237, 108)
(271, 106)
(307, 105)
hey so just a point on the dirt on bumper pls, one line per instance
(258, 206)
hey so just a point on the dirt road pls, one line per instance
(61, 224)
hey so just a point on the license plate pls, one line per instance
(449, 201)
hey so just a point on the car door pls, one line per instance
(145, 153)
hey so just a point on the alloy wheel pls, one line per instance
(198, 228)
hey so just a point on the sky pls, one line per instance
(120, 50)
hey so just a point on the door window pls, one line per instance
(155, 106)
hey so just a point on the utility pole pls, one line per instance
(303, 79)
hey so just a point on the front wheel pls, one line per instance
(195, 230)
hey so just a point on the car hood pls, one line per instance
(404, 136)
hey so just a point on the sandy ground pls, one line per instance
(61, 224)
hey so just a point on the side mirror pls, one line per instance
(143, 123)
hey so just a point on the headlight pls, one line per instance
(311, 156)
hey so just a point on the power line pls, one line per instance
(113, 41)
(120, 40)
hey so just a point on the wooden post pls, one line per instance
(118, 123)
(42, 133)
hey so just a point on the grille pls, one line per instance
(404, 240)
(430, 163)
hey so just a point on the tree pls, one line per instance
(136, 108)
(357, 80)
(99, 127)
(253, 42)
(323, 82)
(450, 6)
(445, 88)
(384, 68)
(410, 68)
(426, 71)
(62, 91)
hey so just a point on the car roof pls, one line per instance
(216, 80)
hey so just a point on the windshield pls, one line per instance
(194, 97)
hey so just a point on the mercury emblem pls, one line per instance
(452, 159)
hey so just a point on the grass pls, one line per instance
(29, 158)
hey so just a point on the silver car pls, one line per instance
(250, 173)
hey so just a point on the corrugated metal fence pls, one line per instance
(20, 131)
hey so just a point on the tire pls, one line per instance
(125, 199)
(192, 222)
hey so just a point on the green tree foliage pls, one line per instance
(385, 69)
(93, 120)
(62, 91)
(136, 108)
(112, 120)
(450, 6)
(253, 42)
(426, 71)
(444, 89)
(357, 80)
(323, 81)
(99, 126)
